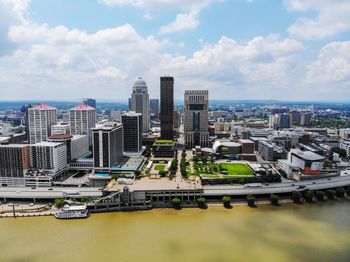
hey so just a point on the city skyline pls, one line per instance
(245, 54)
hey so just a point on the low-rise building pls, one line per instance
(271, 152)
(163, 148)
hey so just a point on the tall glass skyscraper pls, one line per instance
(167, 108)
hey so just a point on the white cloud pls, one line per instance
(333, 17)
(332, 65)
(111, 72)
(182, 22)
(152, 5)
(11, 12)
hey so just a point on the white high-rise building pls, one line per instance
(50, 157)
(196, 118)
(140, 102)
(40, 119)
(82, 118)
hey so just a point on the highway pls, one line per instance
(275, 188)
(47, 193)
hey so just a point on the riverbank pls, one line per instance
(51, 212)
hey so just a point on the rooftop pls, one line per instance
(307, 155)
(83, 107)
(43, 106)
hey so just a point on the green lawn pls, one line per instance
(159, 167)
(237, 169)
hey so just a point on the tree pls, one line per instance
(162, 173)
(137, 173)
(274, 199)
(204, 160)
(327, 163)
(176, 202)
(341, 152)
(296, 197)
(59, 202)
(201, 201)
(173, 165)
(330, 194)
(183, 154)
(251, 200)
(195, 159)
(320, 195)
(309, 195)
(227, 201)
(339, 192)
(348, 191)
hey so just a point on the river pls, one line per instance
(311, 232)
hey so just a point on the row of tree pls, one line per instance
(297, 197)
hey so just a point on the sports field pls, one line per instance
(237, 169)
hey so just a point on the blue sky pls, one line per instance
(237, 49)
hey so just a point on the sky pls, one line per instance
(237, 49)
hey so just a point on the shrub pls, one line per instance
(201, 202)
(340, 192)
(274, 199)
(251, 200)
(320, 195)
(309, 195)
(176, 202)
(348, 191)
(162, 173)
(296, 197)
(59, 202)
(227, 201)
(330, 194)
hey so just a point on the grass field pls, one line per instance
(237, 169)
(159, 167)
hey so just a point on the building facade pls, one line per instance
(140, 102)
(49, 157)
(60, 128)
(167, 108)
(77, 145)
(154, 108)
(132, 125)
(40, 119)
(107, 144)
(14, 164)
(82, 118)
(196, 118)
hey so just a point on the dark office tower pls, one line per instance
(132, 124)
(154, 107)
(167, 108)
(89, 102)
(107, 144)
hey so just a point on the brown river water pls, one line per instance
(310, 232)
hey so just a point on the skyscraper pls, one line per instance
(196, 118)
(82, 118)
(40, 119)
(154, 106)
(132, 124)
(167, 108)
(140, 102)
(107, 144)
(89, 102)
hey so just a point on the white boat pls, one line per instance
(68, 212)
